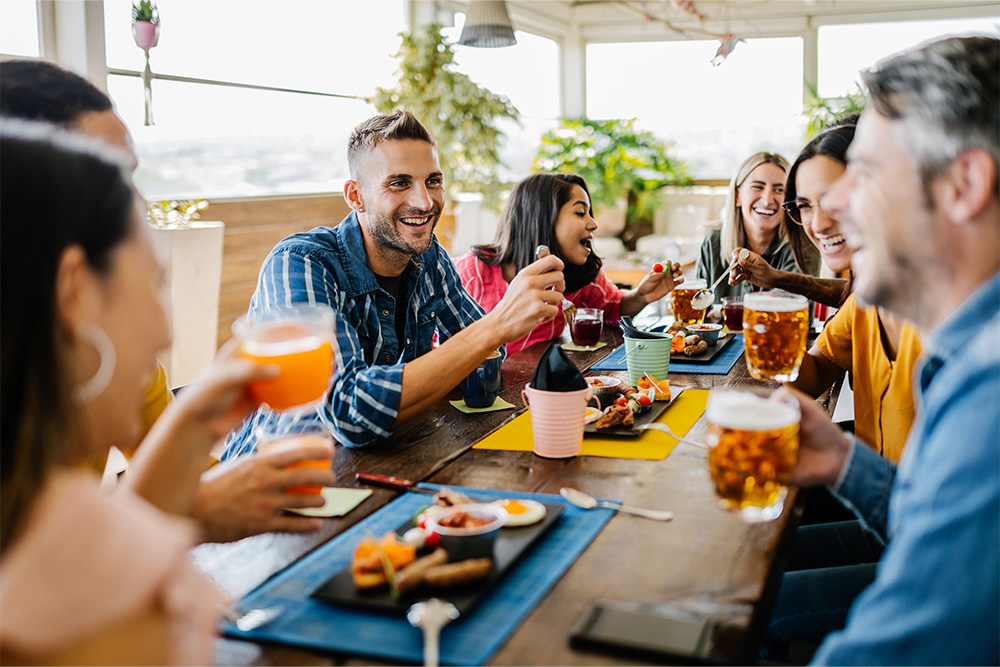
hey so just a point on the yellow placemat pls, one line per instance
(573, 347)
(652, 445)
(498, 404)
(339, 502)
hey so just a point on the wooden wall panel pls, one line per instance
(253, 227)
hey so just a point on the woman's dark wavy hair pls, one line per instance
(832, 143)
(57, 191)
(529, 220)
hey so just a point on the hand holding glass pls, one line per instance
(282, 435)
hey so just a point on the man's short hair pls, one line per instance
(40, 90)
(946, 96)
(367, 136)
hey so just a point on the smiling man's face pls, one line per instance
(884, 213)
(402, 193)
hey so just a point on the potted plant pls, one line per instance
(190, 251)
(624, 167)
(145, 24)
(461, 115)
(821, 111)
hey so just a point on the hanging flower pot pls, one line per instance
(146, 34)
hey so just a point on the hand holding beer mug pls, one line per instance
(299, 340)
(753, 446)
(775, 326)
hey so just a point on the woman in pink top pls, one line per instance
(554, 210)
(85, 577)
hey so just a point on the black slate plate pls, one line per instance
(510, 544)
(706, 356)
(632, 431)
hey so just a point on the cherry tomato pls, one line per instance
(657, 268)
(644, 400)
(431, 539)
(621, 400)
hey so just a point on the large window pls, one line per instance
(844, 50)
(536, 96)
(219, 141)
(717, 116)
(19, 28)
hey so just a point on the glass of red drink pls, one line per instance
(588, 323)
(732, 310)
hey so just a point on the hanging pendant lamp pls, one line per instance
(487, 25)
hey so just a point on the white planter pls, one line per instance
(192, 259)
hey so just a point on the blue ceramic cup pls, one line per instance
(480, 387)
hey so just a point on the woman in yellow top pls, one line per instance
(877, 348)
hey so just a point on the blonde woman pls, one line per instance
(752, 219)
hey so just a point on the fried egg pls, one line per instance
(592, 415)
(522, 512)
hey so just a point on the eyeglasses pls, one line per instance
(802, 212)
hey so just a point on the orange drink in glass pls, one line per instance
(280, 435)
(299, 340)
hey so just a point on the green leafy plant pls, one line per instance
(821, 111)
(461, 115)
(145, 10)
(619, 163)
(175, 214)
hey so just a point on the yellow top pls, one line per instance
(883, 389)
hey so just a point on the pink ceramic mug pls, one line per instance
(557, 420)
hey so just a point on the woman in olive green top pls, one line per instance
(751, 219)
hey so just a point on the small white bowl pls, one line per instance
(609, 389)
(708, 332)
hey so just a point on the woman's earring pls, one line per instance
(92, 388)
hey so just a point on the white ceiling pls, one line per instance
(656, 20)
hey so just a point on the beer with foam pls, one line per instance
(753, 447)
(680, 299)
(775, 326)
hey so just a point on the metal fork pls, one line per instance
(656, 426)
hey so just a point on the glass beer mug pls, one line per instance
(753, 447)
(775, 326)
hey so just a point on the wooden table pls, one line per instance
(705, 559)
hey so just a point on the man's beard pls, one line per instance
(386, 234)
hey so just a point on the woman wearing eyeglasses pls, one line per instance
(810, 236)
(877, 348)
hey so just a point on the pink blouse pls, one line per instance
(89, 560)
(486, 285)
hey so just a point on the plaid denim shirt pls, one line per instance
(327, 265)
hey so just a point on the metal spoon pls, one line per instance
(430, 617)
(568, 307)
(588, 502)
(704, 298)
(253, 619)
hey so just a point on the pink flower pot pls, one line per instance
(146, 34)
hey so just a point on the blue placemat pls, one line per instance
(721, 365)
(470, 640)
